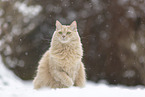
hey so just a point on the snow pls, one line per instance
(29, 11)
(12, 86)
(134, 47)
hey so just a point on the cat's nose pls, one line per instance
(63, 36)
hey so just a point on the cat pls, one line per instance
(61, 66)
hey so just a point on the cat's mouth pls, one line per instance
(64, 40)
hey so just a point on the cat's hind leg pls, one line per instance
(80, 77)
(42, 78)
(37, 83)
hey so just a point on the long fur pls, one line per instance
(61, 66)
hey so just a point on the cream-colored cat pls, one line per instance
(61, 66)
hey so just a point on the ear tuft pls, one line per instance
(73, 26)
(58, 25)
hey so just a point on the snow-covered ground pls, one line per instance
(12, 86)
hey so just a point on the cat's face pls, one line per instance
(64, 33)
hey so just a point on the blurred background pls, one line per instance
(112, 33)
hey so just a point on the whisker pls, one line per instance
(83, 37)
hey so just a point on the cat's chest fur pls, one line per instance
(66, 53)
(66, 58)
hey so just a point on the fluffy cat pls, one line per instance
(61, 66)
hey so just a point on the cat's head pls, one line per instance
(66, 33)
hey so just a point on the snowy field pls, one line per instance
(12, 86)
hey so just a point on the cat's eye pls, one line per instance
(60, 32)
(68, 32)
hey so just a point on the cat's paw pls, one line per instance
(69, 83)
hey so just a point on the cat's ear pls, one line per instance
(73, 26)
(58, 25)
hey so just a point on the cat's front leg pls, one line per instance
(62, 77)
